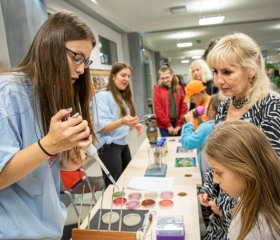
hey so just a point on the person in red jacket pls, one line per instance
(169, 105)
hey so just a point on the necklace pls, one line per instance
(239, 104)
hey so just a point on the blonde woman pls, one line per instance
(199, 70)
(247, 168)
(239, 73)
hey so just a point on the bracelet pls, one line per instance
(44, 149)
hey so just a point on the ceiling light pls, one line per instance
(184, 44)
(212, 20)
(185, 61)
(196, 57)
(178, 10)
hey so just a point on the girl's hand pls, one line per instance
(176, 130)
(65, 135)
(139, 128)
(130, 121)
(189, 117)
(170, 130)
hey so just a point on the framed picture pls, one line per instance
(100, 78)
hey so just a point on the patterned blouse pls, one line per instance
(265, 114)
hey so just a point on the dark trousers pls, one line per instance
(165, 133)
(116, 158)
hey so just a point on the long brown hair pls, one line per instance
(47, 65)
(118, 95)
(243, 148)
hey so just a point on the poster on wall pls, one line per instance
(100, 78)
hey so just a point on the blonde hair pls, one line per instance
(242, 50)
(206, 74)
(249, 153)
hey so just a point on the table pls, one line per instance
(140, 162)
(186, 206)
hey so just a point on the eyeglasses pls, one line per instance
(79, 58)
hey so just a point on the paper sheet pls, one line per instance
(151, 183)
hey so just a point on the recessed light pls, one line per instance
(185, 61)
(184, 44)
(211, 20)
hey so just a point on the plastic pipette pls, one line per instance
(92, 151)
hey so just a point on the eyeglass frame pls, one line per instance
(87, 62)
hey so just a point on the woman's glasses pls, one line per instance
(79, 58)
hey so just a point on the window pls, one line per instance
(108, 51)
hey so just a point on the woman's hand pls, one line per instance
(214, 207)
(204, 199)
(65, 135)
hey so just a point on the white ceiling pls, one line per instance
(161, 30)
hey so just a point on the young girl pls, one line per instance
(114, 114)
(196, 139)
(52, 82)
(247, 167)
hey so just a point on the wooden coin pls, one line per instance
(182, 194)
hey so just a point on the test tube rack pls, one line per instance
(89, 234)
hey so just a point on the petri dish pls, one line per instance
(148, 203)
(166, 194)
(119, 194)
(151, 195)
(131, 219)
(110, 217)
(119, 201)
(166, 203)
(135, 196)
(132, 204)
